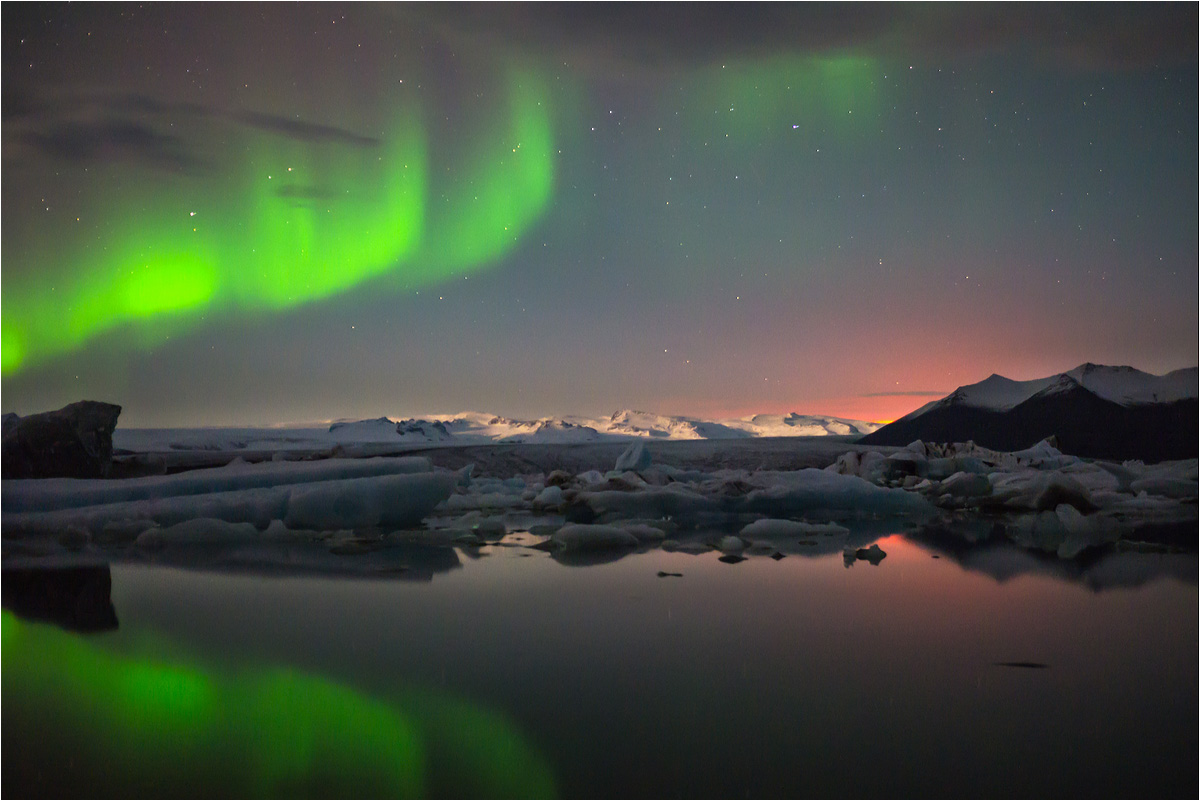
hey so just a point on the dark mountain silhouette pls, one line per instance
(1081, 418)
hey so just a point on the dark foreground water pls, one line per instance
(499, 671)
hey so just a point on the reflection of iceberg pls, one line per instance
(77, 597)
(349, 558)
(146, 726)
(1098, 570)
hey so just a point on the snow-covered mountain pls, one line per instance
(1122, 385)
(472, 428)
(1093, 410)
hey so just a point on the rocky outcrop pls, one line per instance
(72, 442)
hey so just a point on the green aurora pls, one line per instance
(290, 223)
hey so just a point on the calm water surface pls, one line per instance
(797, 677)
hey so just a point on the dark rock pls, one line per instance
(559, 478)
(778, 555)
(874, 554)
(72, 442)
(665, 574)
(732, 559)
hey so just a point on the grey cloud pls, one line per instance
(910, 393)
(663, 36)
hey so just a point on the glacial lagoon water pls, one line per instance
(496, 670)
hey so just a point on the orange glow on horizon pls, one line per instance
(875, 407)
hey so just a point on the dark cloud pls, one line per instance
(300, 130)
(114, 140)
(127, 127)
(1081, 35)
(289, 127)
(634, 36)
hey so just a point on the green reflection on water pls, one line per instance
(79, 719)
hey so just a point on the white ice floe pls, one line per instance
(809, 491)
(32, 495)
(636, 457)
(768, 528)
(397, 500)
(580, 537)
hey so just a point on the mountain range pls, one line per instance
(1094, 410)
(624, 424)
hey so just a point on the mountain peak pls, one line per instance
(1120, 384)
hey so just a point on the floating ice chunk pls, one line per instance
(904, 463)
(625, 481)
(121, 531)
(489, 528)
(1040, 491)
(941, 468)
(644, 532)
(636, 457)
(692, 548)
(731, 545)
(386, 501)
(581, 537)
(481, 500)
(591, 477)
(803, 492)
(550, 496)
(967, 485)
(673, 500)
(51, 494)
(1166, 486)
(390, 500)
(559, 478)
(1057, 488)
(872, 466)
(199, 531)
(464, 474)
(768, 528)
(847, 464)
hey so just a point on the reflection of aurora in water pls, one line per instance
(143, 725)
(290, 223)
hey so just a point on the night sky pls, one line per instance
(239, 213)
